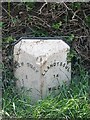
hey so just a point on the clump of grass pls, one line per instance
(66, 108)
(71, 103)
(16, 104)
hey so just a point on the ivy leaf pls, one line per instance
(1, 24)
(57, 25)
(88, 20)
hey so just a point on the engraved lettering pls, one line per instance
(26, 76)
(56, 63)
(68, 69)
(43, 74)
(48, 67)
(28, 64)
(64, 65)
(59, 87)
(61, 64)
(54, 88)
(32, 66)
(45, 71)
(36, 70)
(54, 76)
(22, 63)
(51, 65)
(57, 75)
(49, 89)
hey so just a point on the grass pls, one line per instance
(71, 103)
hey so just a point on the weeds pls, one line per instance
(72, 102)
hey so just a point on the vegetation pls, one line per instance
(71, 21)
(72, 102)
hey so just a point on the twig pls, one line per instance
(8, 14)
(41, 20)
(40, 10)
(75, 15)
(83, 55)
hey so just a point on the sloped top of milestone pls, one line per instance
(41, 47)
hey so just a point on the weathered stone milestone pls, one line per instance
(42, 66)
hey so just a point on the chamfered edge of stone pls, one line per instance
(20, 44)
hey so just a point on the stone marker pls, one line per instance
(41, 66)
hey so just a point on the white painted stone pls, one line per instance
(41, 66)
